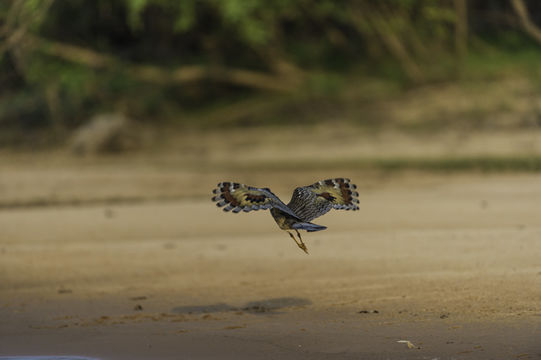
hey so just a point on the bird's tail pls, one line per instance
(308, 226)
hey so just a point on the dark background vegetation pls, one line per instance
(216, 63)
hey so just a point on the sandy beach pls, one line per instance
(448, 263)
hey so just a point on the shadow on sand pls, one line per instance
(267, 306)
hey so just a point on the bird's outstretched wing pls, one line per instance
(310, 202)
(237, 197)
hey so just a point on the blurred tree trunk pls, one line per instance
(525, 22)
(15, 33)
(54, 105)
(461, 28)
(392, 41)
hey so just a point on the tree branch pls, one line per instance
(527, 24)
(159, 75)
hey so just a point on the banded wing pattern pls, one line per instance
(239, 197)
(310, 202)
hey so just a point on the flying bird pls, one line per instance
(307, 203)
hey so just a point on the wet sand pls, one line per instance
(451, 264)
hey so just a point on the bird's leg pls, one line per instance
(293, 237)
(302, 242)
(299, 244)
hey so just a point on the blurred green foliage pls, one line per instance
(62, 61)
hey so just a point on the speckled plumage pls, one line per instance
(307, 203)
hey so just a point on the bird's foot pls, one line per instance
(299, 244)
(303, 247)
